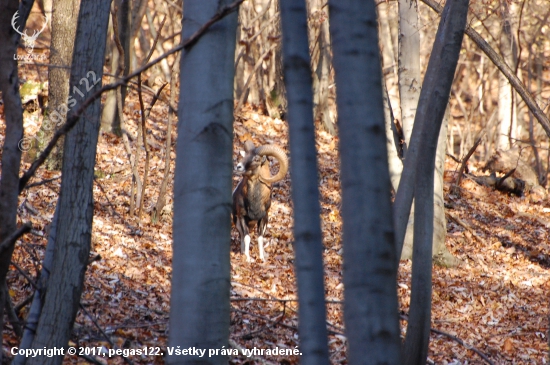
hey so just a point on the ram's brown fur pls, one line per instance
(252, 196)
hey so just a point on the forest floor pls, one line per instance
(495, 301)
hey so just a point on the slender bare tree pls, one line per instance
(11, 151)
(419, 169)
(110, 117)
(308, 243)
(507, 111)
(321, 55)
(63, 20)
(75, 205)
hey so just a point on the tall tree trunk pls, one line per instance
(319, 39)
(110, 120)
(37, 302)
(507, 111)
(308, 244)
(409, 87)
(409, 90)
(420, 169)
(64, 19)
(199, 314)
(370, 272)
(75, 205)
(395, 163)
(409, 64)
(388, 42)
(11, 153)
(441, 254)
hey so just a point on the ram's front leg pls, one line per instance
(242, 227)
(261, 247)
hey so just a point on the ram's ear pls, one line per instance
(242, 153)
(249, 146)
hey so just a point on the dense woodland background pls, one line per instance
(489, 306)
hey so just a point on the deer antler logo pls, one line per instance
(27, 39)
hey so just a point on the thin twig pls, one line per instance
(504, 68)
(279, 300)
(155, 41)
(96, 324)
(171, 113)
(12, 238)
(42, 182)
(463, 165)
(253, 73)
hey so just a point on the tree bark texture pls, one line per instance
(507, 112)
(409, 64)
(75, 205)
(370, 309)
(202, 188)
(421, 160)
(308, 244)
(319, 39)
(11, 152)
(64, 20)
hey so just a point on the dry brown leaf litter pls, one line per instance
(495, 300)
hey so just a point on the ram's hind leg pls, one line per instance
(262, 225)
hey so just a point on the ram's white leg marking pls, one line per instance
(261, 247)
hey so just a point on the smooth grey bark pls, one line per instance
(36, 306)
(75, 204)
(138, 9)
(109, 108)
(409, 87)
(308, 243)
(426, 109)
(409, 64)
(199, 314)
(409, 90)
(370, 271)
(440, 253)
(11, 152)
(507, 111)
(429, 116)
(392, 141)
(64, 18)
(110, 120)
(388, 42)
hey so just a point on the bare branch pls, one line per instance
(73, 119)
(12, 238)
(504, 68)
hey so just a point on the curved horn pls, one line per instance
(280, 155)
